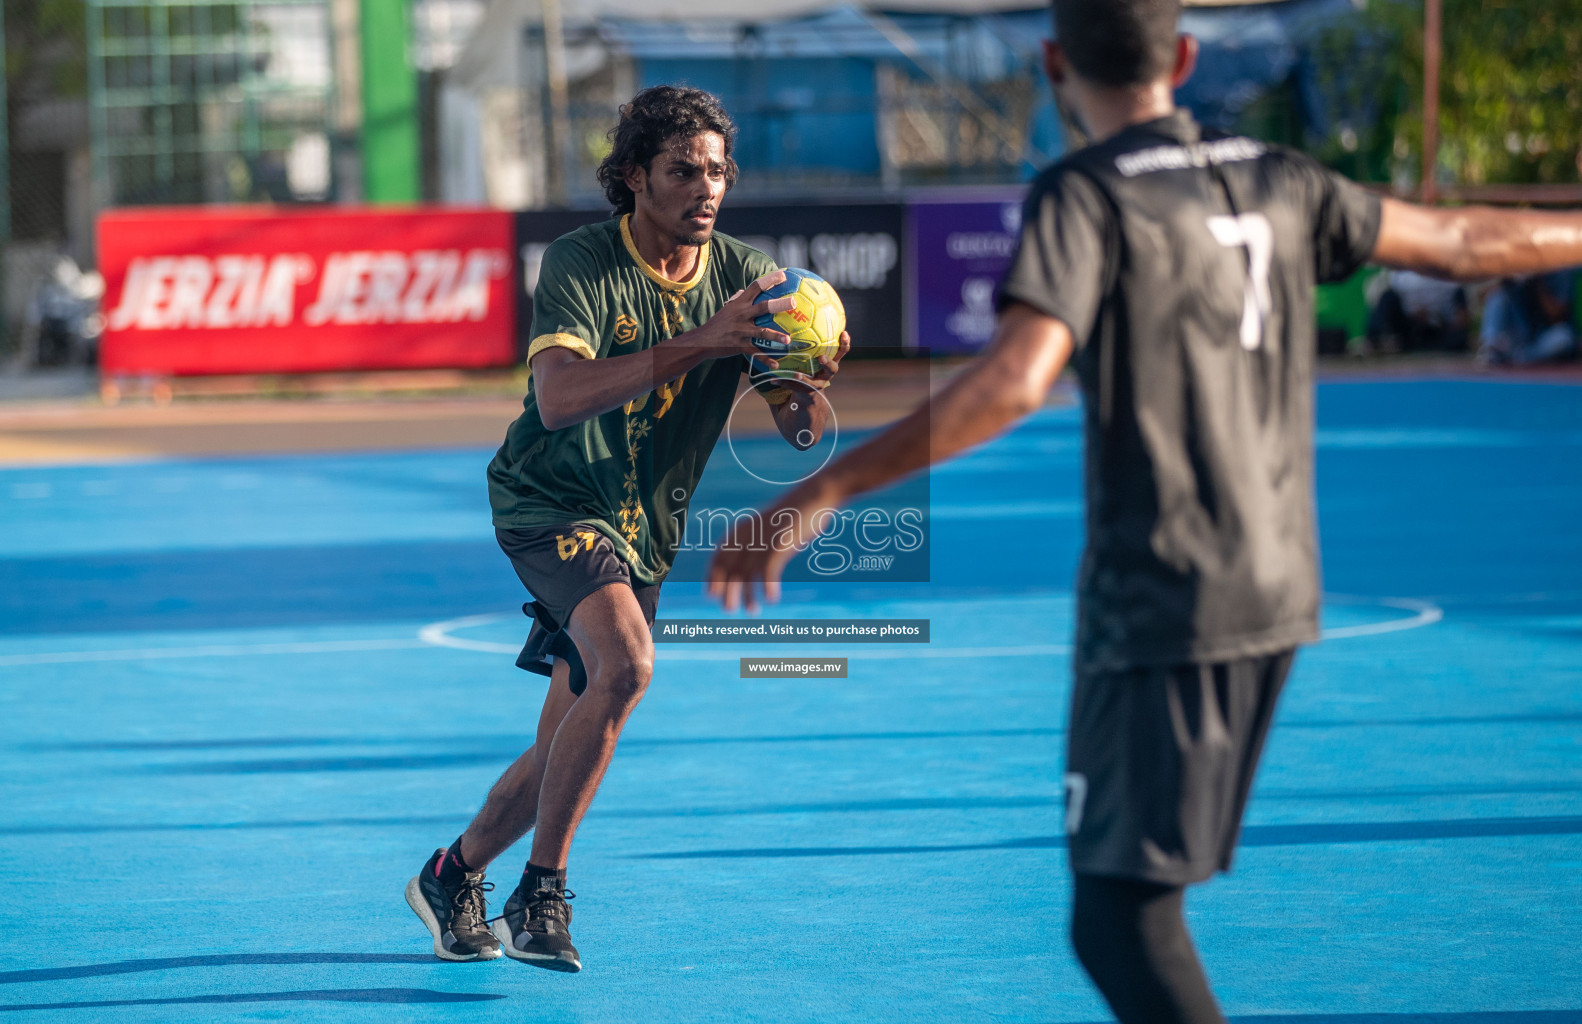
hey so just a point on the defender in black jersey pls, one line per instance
(1175, 270)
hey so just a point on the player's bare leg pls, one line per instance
(612, 635)
(448, 893)
(512, 805)
(608, 624)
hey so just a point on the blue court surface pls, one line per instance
(243, 700)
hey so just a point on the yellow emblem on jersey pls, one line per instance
(673, 321)
(625, 330)
(666, 392)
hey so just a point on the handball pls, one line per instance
(814, 324)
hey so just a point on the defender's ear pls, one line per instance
(1186, 60)
(1055, 65)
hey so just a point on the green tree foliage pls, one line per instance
(1510, 89)
(46, 52)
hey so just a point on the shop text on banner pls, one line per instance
(857, 247)
(206, 291)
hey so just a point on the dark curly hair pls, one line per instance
(654, 118)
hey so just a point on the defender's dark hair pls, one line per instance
(655, 117)
(1118, 43)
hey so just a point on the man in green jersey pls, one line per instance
(642, 327)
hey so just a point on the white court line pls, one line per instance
(1535, 597)
(1425, 614)
(438, 634)
(1009, 510)
(209, 651)
(892, 652)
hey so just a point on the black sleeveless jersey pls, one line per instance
(1184, 268)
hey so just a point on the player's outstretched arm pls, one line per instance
(1476, 242)
(572, 389)
(1006, 383)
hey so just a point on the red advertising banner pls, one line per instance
(229, 290)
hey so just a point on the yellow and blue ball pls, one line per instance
(814, 324)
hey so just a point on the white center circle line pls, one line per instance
(438, 634)
(1424, 614)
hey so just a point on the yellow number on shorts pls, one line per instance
(565, 547)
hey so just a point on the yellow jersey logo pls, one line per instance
(666, 393)
(625, 330)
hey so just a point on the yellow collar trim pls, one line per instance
(654, 275)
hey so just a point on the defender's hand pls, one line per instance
(731, 331)
(739, 570)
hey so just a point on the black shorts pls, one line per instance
(561, 565)
(1159, 764)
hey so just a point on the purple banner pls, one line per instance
(959, 253)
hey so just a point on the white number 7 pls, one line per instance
(1253, 231)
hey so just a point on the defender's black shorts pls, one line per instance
(1159, 764)
(561, 565)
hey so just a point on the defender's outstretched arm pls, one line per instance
(1006, 383)
(1477, 242)
(1009, 381)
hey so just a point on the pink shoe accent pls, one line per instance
(440, 863)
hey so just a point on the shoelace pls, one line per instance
(549, 902)
(469, 898)
(543, 903)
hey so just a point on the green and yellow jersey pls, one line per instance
(631, 472)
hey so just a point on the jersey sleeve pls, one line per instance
(1345, 219)
(1059, 266)
(565, 304)
(756, 265)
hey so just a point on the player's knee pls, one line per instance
(625, 672)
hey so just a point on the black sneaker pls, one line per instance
(457, 918)
(535, 927)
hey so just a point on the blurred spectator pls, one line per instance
(1415, 313)
(1529, 320)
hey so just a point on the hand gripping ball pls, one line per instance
(814, 324)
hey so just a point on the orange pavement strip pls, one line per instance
(86, 431)
(89, 433)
